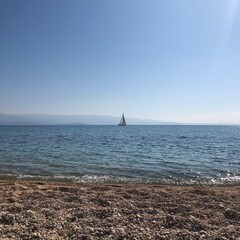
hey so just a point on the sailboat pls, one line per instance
(122, 121)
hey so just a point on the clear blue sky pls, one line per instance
(166, 60)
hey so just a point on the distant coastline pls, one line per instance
(44, 119)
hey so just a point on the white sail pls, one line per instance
(122, 121)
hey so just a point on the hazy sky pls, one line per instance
(158, 59)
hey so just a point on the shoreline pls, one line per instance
(66, 210)
(98, 179)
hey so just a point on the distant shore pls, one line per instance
(57, 210)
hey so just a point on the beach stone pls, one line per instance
(7, 219)
(173, 221)
(221, 205)
(90, 229)
(203, 236)
(197, 226)
(15, 208)
(103, 213)
(120, 231)
(160, 237)
(64, 189)
(101, 202)
(11, 200)
(232, 214)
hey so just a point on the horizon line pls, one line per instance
(161, 122)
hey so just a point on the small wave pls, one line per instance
(125, 180)
(231, 179)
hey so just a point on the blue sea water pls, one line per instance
(164, 154)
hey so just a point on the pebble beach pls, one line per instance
(56, 210)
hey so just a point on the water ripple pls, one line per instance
(134, 153)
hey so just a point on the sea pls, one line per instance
(179, 155)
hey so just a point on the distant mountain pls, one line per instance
(44, 119)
